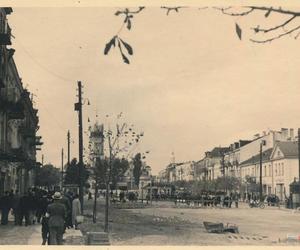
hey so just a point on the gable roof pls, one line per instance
(288, 148)
(219, 151)
(266, 155)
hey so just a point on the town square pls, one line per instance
(163, 125)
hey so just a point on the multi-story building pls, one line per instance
(18, 120)
(212, 165)
(280, 167)
(162, 176)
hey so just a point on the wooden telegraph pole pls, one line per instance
(78, 107)
(62, 168)
(68, 138)
(299, 153)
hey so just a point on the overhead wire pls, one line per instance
(42, 66)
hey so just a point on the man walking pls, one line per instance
(16, 207)
(76, 210)
(57, 214)
(6, 206)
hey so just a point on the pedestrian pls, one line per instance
(42, 202)
(89, 196)
(76, 210)
(24, 210)
(121, 196)
(16, 207)
(236, 200)
(5, 207)
(69, 224)
(33, 200)
(45, 230)
(56, 212)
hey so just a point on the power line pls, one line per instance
(42, 66)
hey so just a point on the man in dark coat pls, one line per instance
(5, 207)
(57, 214)
(66, 202)
(16, 207)
(24, 209)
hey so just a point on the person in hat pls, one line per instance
(56, 212)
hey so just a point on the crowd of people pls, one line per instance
(55, 211)
(210, 200)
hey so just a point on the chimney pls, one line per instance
(256, 136)
(292, 134)
(285, 133)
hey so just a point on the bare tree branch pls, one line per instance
(276, 37)
(224, 11)
(277, 10)
(172, 8)
(257, 29)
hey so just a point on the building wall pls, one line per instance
(15, 132)
(277, 175)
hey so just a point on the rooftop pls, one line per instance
(255, 159)
(288, 148)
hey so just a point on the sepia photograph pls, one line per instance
(171, 124)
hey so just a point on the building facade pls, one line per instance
(18, 121)
(242, 160)
(280, 167)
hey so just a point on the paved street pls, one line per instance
(261, 226)
(163, 224)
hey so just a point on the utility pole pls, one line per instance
(107, 186)
(68, 137)
(260, 171)
(78, 107)
(299, 152)
(150, 189)
(42, 160)
(62, 168)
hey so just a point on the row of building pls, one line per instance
(278, 151)
(18, 120)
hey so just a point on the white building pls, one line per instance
(280, 167)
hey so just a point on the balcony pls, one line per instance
(5, 37)
(12, 103)
(27, 132)
(18, 155)
(8, 97)
(16, 111)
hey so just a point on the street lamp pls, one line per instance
(262, 143)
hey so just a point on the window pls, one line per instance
(282, 171)
(265, 170)
(270, 170)
(276, 169)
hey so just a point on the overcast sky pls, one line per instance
(191, 85)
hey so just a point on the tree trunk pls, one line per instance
(95, 203)
(106, 208)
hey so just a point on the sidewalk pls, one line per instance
(31, 235)
(71, 236)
